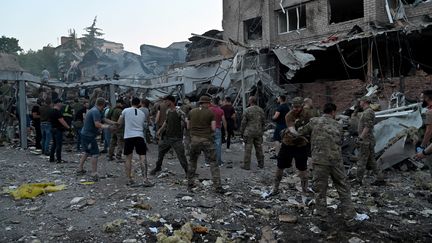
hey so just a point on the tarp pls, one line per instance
(389, 128)
(293, 59)
(396, 153)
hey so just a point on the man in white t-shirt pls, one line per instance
(134, 121)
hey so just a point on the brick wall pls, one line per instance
(343, 92)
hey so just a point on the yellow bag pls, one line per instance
(32, 190)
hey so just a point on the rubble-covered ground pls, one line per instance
(110, 211)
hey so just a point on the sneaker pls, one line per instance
(81, 172)
(244, 167)
(94, 178)
(378, 183)
(130, 182)
(220, 190)
(273, 193)
(147, 183)
(155, 170)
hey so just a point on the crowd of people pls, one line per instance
(302, 134)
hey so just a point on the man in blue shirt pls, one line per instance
(89, 132)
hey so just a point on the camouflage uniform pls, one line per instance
(326, 139)
(202, 140)
(252, 129)
(428, 122)
(174, 141)
(117, 137)
(367, 145)
(186, 108)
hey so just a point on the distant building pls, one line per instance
(107, 46)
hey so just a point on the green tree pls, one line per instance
(9, 45)
(36, 61)
(91, 38)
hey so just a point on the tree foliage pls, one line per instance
(36, 61)
(9, 45)
(91, 38)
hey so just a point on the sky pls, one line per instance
(37, 23)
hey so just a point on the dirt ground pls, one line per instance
(401, 211)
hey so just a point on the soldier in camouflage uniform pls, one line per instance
(186, 108)
(171, 134)
(252, 130)
(366, 143)
(294, 146)
(427, 125)
(117, 139)
(326, 139)
(202, 124)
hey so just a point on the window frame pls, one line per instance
(298, 10)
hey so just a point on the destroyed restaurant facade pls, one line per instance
(330, 50)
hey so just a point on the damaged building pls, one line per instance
(331, 50)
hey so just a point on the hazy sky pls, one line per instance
(36, 23)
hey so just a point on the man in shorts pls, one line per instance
(89, 132)
(134, 123)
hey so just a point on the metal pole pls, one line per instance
(243, 94)
(112, 97)
(22, 113)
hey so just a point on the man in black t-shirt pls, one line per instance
(58, 125)
(279, 119)
(36, 122)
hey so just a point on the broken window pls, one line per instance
(413, 1)
(341, 11)
(253, 29)
(291, 19)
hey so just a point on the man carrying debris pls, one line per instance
(171, 134)
(202, 125)
(326, 139)
(116, 140)
(366, 143)
(294, 146)
(252, 130)
(134, 121)
(427, 102)
(92, 124)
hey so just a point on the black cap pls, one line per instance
(170, 98)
